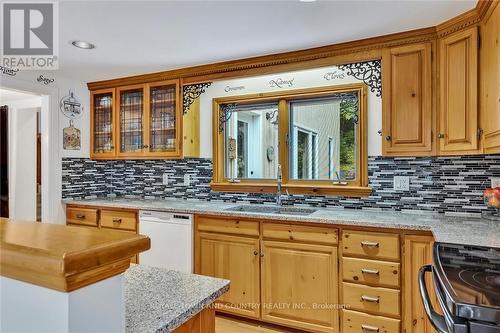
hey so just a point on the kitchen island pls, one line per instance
(160, 300)
(73, 279)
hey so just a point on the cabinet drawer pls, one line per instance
(83, 216)
(118, 219)
(228, 226)
(382, 273)
(371, 244)
(373, 299)
(300, 233)
(358, 322)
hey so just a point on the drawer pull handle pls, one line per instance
(369, 328)
(369, 244)
(369, 271)
(365, 298)
(80, 216)
(117, 220)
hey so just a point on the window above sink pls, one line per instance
(316, 135)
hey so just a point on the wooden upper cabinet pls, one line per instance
(458, 107)
(102, 121)
(145, 121)
(163, 135)
(407, 100)
(131, 120)
(490, 81)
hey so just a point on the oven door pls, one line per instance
(446, 323)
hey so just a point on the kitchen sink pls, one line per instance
(263, 209)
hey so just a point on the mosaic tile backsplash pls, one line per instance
(451, 185)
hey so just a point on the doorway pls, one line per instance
(21, 155)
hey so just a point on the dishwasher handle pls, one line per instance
(435, 318)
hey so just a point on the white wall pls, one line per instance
(301, 79)
(52, 123)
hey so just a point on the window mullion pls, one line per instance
(284, 137)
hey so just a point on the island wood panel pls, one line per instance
(203, 322)
(299, 285)
(417, 253)
(489, 78)
(407, 100)
(234, 258)
(458, 119)
(65, 258)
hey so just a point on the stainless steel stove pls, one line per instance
(467, 285)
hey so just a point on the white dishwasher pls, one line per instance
(171, 237)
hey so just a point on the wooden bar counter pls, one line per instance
(62, 257)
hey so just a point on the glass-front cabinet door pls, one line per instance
(131, 121)
(102, 123)
(163, 137)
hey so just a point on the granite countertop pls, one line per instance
(160, 300)
(458, 230)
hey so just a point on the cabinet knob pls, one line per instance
(262, 255)
(255, 253)
(388, 138)
(145, 146)
(441, 136)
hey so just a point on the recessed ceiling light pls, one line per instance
(82, 45)
(307, 0)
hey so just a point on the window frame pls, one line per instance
(357, 188)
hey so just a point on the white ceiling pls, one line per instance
(134, 37)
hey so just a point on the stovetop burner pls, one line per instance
(473, 273)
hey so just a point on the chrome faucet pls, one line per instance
(279, 182)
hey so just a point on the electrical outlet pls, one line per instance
(187, 179)
(165, 179)
(401, 183)
(495, 182)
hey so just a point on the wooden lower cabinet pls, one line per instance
(288, 274)
(358, 322)
(417, 252)
(96, 217)
(234, 258)
(299, 285)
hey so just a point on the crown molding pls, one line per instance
(354, 51)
